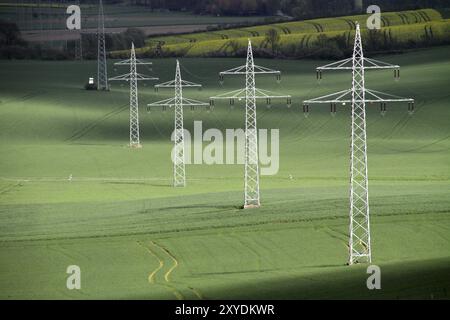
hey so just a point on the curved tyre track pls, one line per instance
(86, 129)
(161, 275)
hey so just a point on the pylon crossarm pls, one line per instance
(240, 94)
(128, 62)
(377, 64)
(242, 70)
(172, 84)
(338, 65)
(347, 64)
(170, 102)
(127, 77)
(191, 102)
(235, 94)
(345, 96)
(341, 96)
(378, 96)
(265, 94)
(165, 102)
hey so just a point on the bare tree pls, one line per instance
(273, 39)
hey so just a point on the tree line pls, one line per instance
(299, 9)
(12, 46)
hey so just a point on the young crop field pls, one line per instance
(401, 34)
(310, 26)
(402, 27)
(73, 193)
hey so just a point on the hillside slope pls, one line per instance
(135, 236)
(399, 28)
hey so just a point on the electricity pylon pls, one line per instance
(133, 77)
(79, 43)
(79, 47)
(250, 93)
(178, 102)
(102, 70)
(358, 95)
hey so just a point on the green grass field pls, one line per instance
(136, 237)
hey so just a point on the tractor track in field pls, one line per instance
(130, 180)
(340, 236)
(86, 129)
(167, 263)
(253, 224)
(250, 249)
(25, 97)
(10, 187)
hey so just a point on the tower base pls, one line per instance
(135, 145)
(251, 206)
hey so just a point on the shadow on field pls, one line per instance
(401, 280)
(202, 206)
(427, 279)
(80, 133)
(235, 272)
(96, 144)
(141, 183)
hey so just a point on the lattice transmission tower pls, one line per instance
(133, 77)
(78, 42)
(102, 68)
(250, 93)
(358, 95)
(78, 47)
(178, 102)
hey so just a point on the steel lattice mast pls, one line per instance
(179, 171)
(134, 104)
(250, 93)
(358, 95)
(251, 135)
(133, 77)
(79, 47)
(178, 102)
(359, 190)
(102, 69)
(79, 43)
